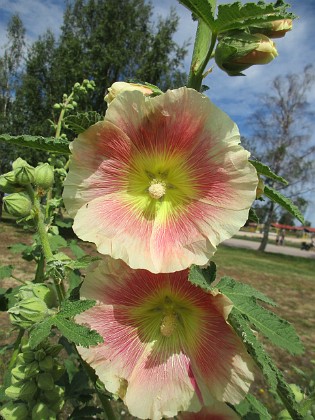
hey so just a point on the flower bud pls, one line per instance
(119, 87)
(45, 381)
(44, 176)
(14, 411)
(18, 204)
(41, 411)
(237, 52)
(46, 364)
(275, 29)
(9, 187)
(21, 390)
(24, 175)
(19, 163)
(260, 188)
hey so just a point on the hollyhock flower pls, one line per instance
(161, 181)
(218, 411)
(167, 344)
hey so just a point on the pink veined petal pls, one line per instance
(156, 375)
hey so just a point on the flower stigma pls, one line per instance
(170, 320)
(157, 189)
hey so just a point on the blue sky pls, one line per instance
(237, 96)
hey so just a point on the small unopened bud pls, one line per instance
(18, 204)
(24, 391)
(24, 175)
(237, 52)
(19, 163)
(46, 364)
(44, 176)
(119, 87)
(41, 411)
(42, 291)
(57, 106)
(9, 187)
(13, 410)
(45, 381)
(275, 29)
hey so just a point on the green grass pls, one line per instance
(264, 263)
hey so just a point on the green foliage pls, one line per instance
(81, 121)
(276, 329)
(48, 144)
(284, 202)
(78, 334)
(251, 408)
(266, 171)
(5, 271)
(236, 15)
(202, 277)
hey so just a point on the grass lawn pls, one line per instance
(290, 281)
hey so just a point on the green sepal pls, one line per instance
(284, 202)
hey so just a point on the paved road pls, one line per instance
(277, 249)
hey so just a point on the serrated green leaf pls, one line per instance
(79, 122)
(56, 242)
(48, 144)
(250, 405)
(17, 248)
(254, 348)
(277, 330)
(78, 334)
(82, 262)
(40, 332)
(252, 216)
(263, 169)
(69, 308)
(236, 291)
(78, 252)
(284, 202)
(5, 271)
(237, 16)
(202, 9)
(202, 277)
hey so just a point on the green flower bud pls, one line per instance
(76, 85)
(18, 204)
(57, 106)
(24, 175)
(58, 372)
(41, 291)
(19, 373)
(14, 411)
(10, 177)
(46, 364)
(54, 395)
(40, 355)
(45, 381)
(275, 29)
(9, 187)
(28, 356)
(44, 176)
(31, 369)
(22, 390)
(54, 350)
(238, 51)
(41, 411)
(19, 163)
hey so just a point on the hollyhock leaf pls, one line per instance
(202, 277)
(82, 262)
(202, 9)
(81, 121)
(284, 202)
(48, 144)
(236, 290)
(250, 406)
(158, 331)
(6, 271)
(78, 334)
(56, 242)
(40, 332)
(78, 251)
(263, 169)
(161, 181)
(252, 216)
(238, 15)
(72, 308)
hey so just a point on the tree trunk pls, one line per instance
(269, 215)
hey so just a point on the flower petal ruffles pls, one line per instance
(161, 181)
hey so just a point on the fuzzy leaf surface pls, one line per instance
(202, 277)
(202, 9)
(40, 332)
(238, 15)
(263, 169)
(5, 271)
(72, 308)
(48, 144)
(250, 407)
(78, 334)
(284, 202)
(277, 330)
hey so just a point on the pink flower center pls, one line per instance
(157, 189)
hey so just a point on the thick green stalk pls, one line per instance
(203, 49)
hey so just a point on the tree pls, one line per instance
(10, 65)
(99, 41)
(281, 136)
